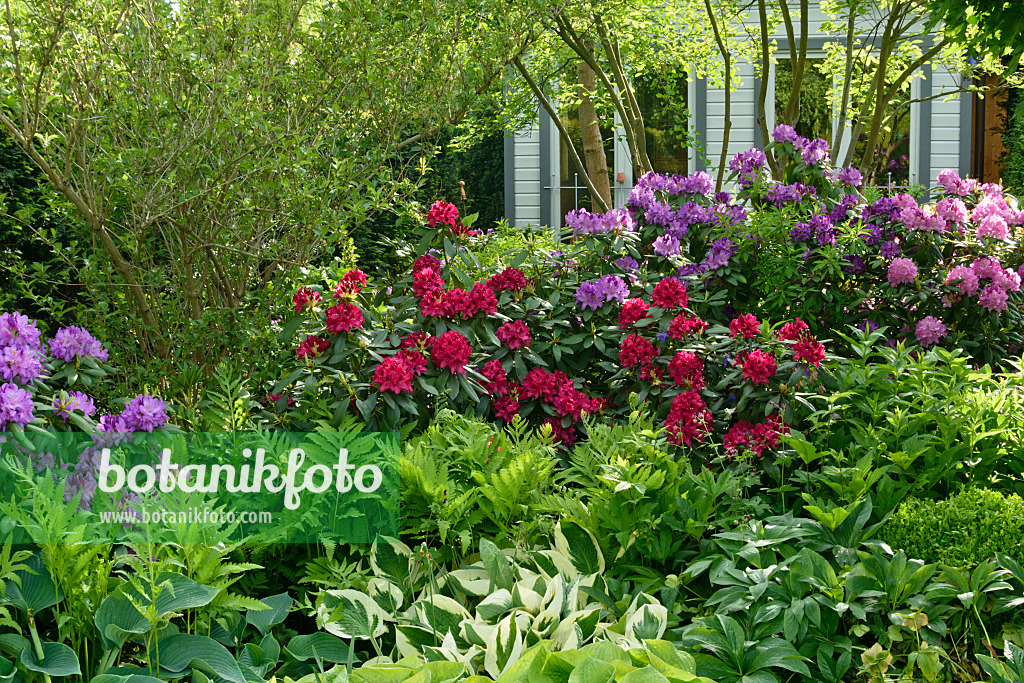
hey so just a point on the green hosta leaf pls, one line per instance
(592, 670)
(318, 645)
(647, 674)
(118, 617)
(58, 660)
(37, 591)
(580, 546)
(183, 651)
(264, 620)
(134, 678)
(497, 564)
(7, 670)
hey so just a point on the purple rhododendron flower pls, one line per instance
(17, 330)
(666, 245)
(144, 414)
(890, 249)
(21, 364)
(588, 296)
(15, 406)
(850, 176)
(76, 342)
(784, 133)
(75, 400)
(612, 288)
(627, 263)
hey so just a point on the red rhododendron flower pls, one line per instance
(511, 279)
(497, 380)
(683, 326)
(393, 375)
(456, 302)
(351, 284)
(430, 306)
(635, 350)
(451, 352)
(687, 370)
(312, 346)
(766, 435)
(633, 310)
(514, 334)
(737, 437)
(653, 374)
(427, 262)
(505, 407)
(746, 326)
(414, 360)
(483, 300)
(810, 350)
(426, 281)
(688, 419)
(538, 382)
(759, 367)
(794, 331)
(305, 297)
(442, 212)
(418, 340)
(344, 317)
(570, 402)
(670, 293)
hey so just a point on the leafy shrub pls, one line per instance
(963, 530)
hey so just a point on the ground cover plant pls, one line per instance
(705, 436)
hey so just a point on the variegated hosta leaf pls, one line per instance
(387, 595)
(648, 623)
(472, 581)
(355, 616)
(503, 648)
(583, 621)
(494, 605)
(580, 546)
(441, 613)
(526, 599)
(551, 563)
(476, 632)
(392, 559)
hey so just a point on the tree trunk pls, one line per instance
(762, 94)
(590, 131)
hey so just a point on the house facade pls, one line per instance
(541, 186)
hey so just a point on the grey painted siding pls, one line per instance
(526, 177)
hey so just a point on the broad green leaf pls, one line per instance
(592, 670)
(183, 651)
(580, 546)
(264, 620)
(58, 660)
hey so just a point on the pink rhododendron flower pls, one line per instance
(563, 435)
(426, 281)
(393, 375)
(929, 330)
(505, 407)
(451, 352)
(1007, 279)
(497, 380)
(427, 262)
(510, 279)
(993, 298)
(514, 334)
(952, 210)
(418, 341)
(969, 281)
(993, 226)
(986, 267)
(745, 326)
(902, 271)
(414, 360)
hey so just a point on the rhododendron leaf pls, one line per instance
(289, 329)
(287, 381)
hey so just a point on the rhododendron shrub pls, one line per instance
(548, 338)
(47, 390)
